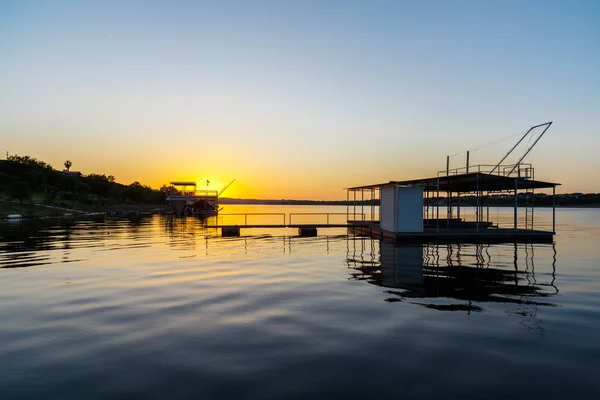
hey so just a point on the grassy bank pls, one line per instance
(39, 208)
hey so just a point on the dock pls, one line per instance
(413, 210)
(490, 235)
(285, 221)
(459, 231)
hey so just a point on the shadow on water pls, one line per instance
(458, 277)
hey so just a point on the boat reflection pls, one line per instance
(457, 277)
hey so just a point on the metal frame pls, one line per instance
(454, 196)
(547, 125)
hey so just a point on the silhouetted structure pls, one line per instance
(409, 210)
(190, 201)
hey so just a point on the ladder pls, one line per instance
(529, 207)
(529, 200)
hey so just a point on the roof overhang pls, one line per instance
(464, 183)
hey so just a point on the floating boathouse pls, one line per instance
(186, 199)
(430, 209)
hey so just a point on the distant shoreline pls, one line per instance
(31, 187)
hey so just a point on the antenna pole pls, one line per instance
(529, 149)
(520, 140)
(225, 188)
(511, 150)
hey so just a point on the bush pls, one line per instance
(20, 190)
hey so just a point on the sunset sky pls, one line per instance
(299, 99)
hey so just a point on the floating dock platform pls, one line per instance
(490, 235)
(434, 209)
(413, 210)
(460, 233)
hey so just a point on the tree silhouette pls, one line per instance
(68, 164)
(20, 190)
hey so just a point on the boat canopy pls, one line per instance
(183, 183)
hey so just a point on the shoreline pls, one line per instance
(128, 210)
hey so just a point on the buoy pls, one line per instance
(228, 231)
(307, 231)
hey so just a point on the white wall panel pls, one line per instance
(409, 209)
(386, 209)
(401, 209)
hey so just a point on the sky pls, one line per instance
(300, 99)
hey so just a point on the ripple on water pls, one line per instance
(160, 308)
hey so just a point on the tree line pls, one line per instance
(22, 177)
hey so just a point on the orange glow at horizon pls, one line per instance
(366, 96)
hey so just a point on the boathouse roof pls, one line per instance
(183, 183)
(469, 182)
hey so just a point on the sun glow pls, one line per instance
(205, 183)
(219, 184)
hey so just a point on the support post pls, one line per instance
(516, 205)
(477, 204)
(372, 205)
(554, 209)
(487, 204)
(448, 194)
(481, 203)
(448, 209)
(354, 206)
(532, 207)
(362, 204)
(468, 162)
(347, 205)
(427, 205)
(437, 206)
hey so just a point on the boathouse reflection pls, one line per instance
(452, 277)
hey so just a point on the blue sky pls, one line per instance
(299, 99)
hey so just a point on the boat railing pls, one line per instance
(197, 193)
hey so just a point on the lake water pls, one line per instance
(164, 308)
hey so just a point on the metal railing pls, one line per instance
(282, 215)
(327, 215)
(287, 221)
(199, 193)
(516, 170)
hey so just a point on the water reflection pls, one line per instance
(41, 242)
(459, 277)
(38, 242)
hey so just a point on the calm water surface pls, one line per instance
(164, 308)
